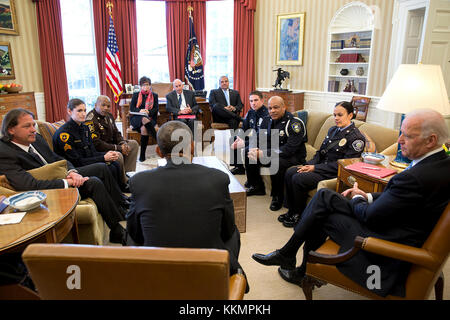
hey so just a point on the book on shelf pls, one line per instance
(333, 86)
(362, 88)
(337, 44)
(365, 43)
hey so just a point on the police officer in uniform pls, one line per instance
(252, 120)
(73, 142)
(107, 137)
(342, 141)
(291, 151)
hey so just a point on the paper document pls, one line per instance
(11, 218)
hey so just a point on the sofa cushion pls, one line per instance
(370, 145)
(315, 122)
(329, 122)
(51, 171)
(382, 136)
(47, 129)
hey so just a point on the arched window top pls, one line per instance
(352, 16)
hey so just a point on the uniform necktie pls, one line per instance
(180, 101)
(35, 155)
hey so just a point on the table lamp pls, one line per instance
(414, 86)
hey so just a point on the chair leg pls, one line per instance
(307, 287)
(439, 287)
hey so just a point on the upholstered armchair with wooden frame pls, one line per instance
(425, 273)
(131, 273)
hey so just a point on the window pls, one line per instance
(152, 40)
(219, 42)
(79, 50)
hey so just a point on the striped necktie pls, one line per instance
(227, 96)
(35, 155)
(180, 100)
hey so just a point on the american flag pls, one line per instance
(113, 68)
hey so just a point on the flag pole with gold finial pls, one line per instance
(110, 6)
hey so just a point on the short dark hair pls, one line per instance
(256, 93)
(73, 103)
(165, 139)
(11, 120)
(347, 106)
(144, 79)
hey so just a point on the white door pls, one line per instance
(413, 36)
(436, 46)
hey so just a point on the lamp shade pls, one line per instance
(416, 86)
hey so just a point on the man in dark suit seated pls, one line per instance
(182, 104)
(226, 104)
(21, 149)
(405, 212)
(185, 205)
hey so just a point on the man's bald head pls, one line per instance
(103, 105)
(277, 108)
(178, 86)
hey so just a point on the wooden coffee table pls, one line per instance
(49, 223)
(237, 191)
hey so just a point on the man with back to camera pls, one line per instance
(21, 148)
(182, 104)
(107, 137)
(226, 104)
(405, 212)
(291, 151)
(193, 209)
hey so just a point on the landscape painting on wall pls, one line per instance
(290, 33)
(6, 64)
(8, 22)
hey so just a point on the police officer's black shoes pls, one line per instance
(256, 191)
(276, 204)
(118, 235)
(275, 258)
(291, 221)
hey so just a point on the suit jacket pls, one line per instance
(172, 102)
(217, 99)
(405, 212)
(186, 205)
(14, 162)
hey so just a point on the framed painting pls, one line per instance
(6, 62)
(290, 34)
(8, 20)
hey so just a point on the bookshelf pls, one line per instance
(350, 40)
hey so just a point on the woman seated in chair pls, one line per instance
(146, 103)
(343, 140)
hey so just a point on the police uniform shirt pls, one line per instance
(104, 132)
(292, 136)
(74, 142)
(338, 144)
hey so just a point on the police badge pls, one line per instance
(358, 145)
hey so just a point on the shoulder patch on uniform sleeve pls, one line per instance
(67, 147)
(64, 136)
(358, 145)
(93, 136)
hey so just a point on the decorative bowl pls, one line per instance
(372, 157)
(27, 200)
(14, 89)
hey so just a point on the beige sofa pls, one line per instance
(91, 227)
(380, 139)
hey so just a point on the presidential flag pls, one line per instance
(194, 64)
(113, 68)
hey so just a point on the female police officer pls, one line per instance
(343, 140)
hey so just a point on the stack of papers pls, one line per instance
(11, 218)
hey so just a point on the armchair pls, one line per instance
(427, 263)
(133, 273)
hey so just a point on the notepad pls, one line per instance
(371, 170)
(186, 116)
